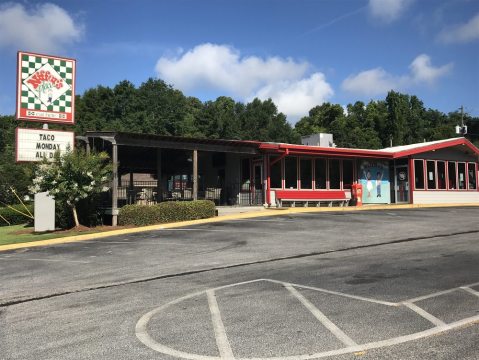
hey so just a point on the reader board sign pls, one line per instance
(45, 88)
(38, 144)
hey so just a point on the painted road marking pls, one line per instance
(424, 314)
(49, 260)
(222, 342)
(469, 290)
(444, 292)
(224, 347)
(336, 293)
(336, 331)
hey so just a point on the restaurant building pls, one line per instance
(155, 168)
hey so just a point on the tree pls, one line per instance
(73, 176)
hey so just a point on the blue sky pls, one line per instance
(298, 52)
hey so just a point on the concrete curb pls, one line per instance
(246, 215)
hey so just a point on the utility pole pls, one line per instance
(461, 129)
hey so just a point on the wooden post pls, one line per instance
(131, 196)
(159, 188)
(195, 174)
(114, 197)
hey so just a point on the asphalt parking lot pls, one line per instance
(399, 284)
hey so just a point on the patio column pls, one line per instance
(195, 174)
(159, 189)
(114, 197)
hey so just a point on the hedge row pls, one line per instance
(13, 217)
(166, 212)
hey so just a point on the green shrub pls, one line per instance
(14, 217)
(166, 212)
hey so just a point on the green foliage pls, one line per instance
(166, 212)
(14, 217)
(18, 176)
(73, 177)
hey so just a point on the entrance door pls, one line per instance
(258, 184)
(401, 184)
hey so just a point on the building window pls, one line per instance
(291, 172)
(419, 174)
(471, 169)
(347, 174)
(275, 175)
(441, 175)
(431, 175)
(461, 175)
(334, 174)
(451, 175)
(320, 173)
(306, 174)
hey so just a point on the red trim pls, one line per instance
(314, 150)
(310, 195)
(268, 181)
(412, 180)
(442, 145)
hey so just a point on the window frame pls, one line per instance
(475, 174)
(423, 174)
(434, 173)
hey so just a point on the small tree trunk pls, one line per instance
(75, 216)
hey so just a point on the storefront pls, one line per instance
(232, 172)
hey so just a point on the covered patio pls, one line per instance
(153, 168)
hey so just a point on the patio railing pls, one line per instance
(148, 193)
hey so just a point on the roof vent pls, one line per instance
(321, 139)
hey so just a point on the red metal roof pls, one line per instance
(388, 153)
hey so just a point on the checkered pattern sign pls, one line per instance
(46, 88)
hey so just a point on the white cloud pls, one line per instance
(422, 71)
(388, 10)
(296, 98)
(378, 81)
(221, 68)
(45, 27)
(461, 33)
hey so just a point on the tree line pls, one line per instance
(155, 107)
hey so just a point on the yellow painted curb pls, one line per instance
(246, 215)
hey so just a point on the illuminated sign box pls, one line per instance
(37, 144)
(45, 88)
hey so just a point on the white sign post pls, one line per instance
(44, 212)
(39, 144)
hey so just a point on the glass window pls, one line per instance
(275, 176)
(419, 174)
(461, 175)
(347, 174)
(334, 174)
(291, 172)
(431, 175)
(441, 175)
(306, 171)
(320, 173)
(451, 174)
(471, 169)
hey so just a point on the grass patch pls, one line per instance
(16, 234)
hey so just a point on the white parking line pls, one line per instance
(469, 290)
(336, 331)
(424, 314)
(336, 293)
(222, 342)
